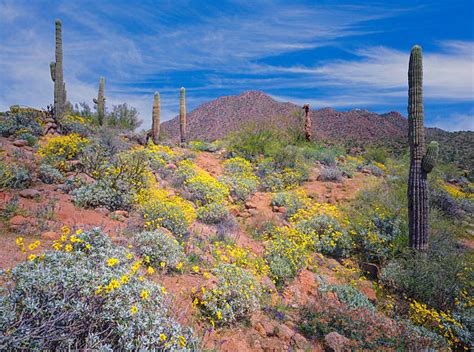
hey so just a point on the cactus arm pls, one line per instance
(431, 156)
(95, 101)
(52, 68)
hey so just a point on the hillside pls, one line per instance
(215, 119)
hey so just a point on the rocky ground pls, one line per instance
(42, 210)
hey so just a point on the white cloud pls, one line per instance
(454, 122)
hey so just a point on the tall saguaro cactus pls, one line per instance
(421, 161)
(182, 115)
(155, 122)
(100, 101)
(307, 123)
(57, 76)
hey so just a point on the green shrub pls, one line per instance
(212, 213)
(160, 247)
(78, 299)
(240, 178)
(101, 194)
(274, 179)
(30, 138)
(15, 123)
(236, 295)
(286, 254)
(366, 328)
(349, 295)
(293, 201)
(49, 174)
(14, 176)
(330, 174)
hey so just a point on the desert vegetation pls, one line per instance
(268, 239)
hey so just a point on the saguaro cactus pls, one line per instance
(100, 101)
(307, 123)
(421, 162)
(57, 76)
(155, 122)
(182, 115)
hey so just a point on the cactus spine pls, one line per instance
(421, 163)
(100, 101)
(182, 115)
(307, 123)
(155, 123)
(57, 76)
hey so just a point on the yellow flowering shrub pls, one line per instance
(443, 323)
(234, 297)
(160, 209)
(240, 178)
(239, 256)
(287, 253)
(56, 150)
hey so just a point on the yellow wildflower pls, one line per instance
(68, 248)
(112, 261)
(134, 309)
(144, 294)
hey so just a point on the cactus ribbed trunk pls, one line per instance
(57, 75)
(155, 122)
(307, 123)
(182, 116)
(100, 101)
(418, 206)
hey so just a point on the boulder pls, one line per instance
(50, 235)
(336, 342)
(283, 332)
(30, 193)
(20, 143)
(18, 220)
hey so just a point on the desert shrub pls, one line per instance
(95, 161)
(27, 136)
(57, 150)
(76, 124)
(293, 201)
(324, 232)
(376, 169)
(436, 278)
(324, 154)
(376, 154)
(160, 247)
(446, 201)
(100, 194)
(349, 295)
(377, 235)
(286, 254)
(15, 123)
(212, 213)
(253, 141)
(87, 296)
(235, 297)
(330, 174)
(14, 176)
(123, 117)
(205, 189)
(160, 209)
(49, 174)
(203, 146)
(366, 328)
(240, 178)
(274, 179)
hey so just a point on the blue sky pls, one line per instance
(338, 54)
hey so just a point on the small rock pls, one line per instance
(171, 167)
(18, 220)
(366, 171)
(50, 235)
(86, 179)
(30, 193)
(252, 212)
(123, 213)
(103, 211)
(282, 210)
(250, 205)
(20, 143)
(260, 329)
(301, 343)
(283, 332)
(336, 342)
